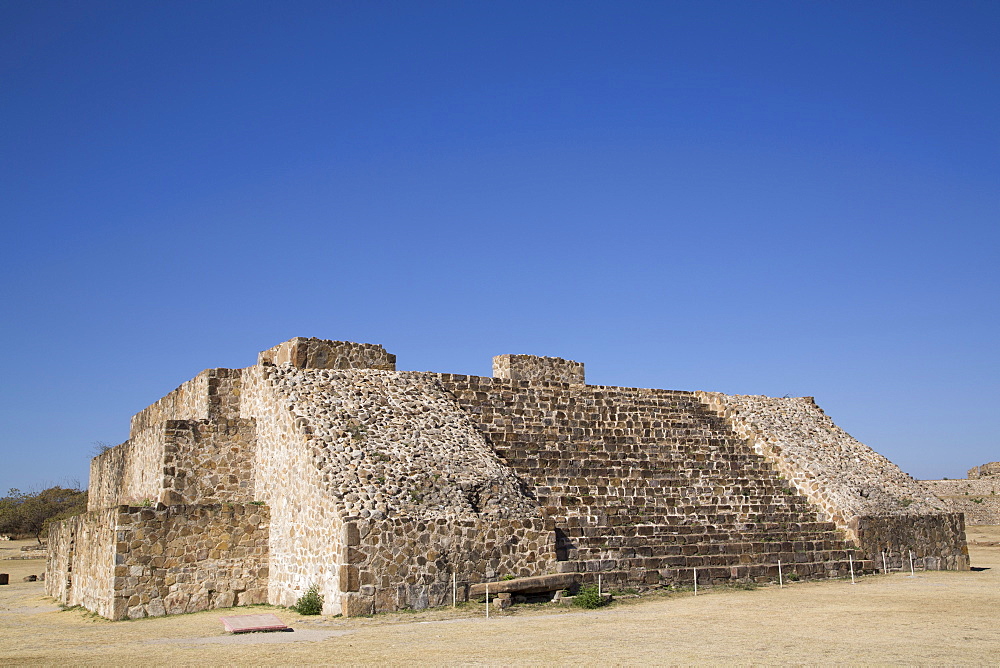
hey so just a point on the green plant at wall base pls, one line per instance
(507, 577)
(257, 503)
(588, 597)
(310, 603)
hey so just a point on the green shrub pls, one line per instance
(588, 597)
(311, 603)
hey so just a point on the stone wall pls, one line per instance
(533, 368)
(978, 498)
(130, 562)
(189, 558)
(60, 545)
(130, 472)
(936, 541)
(322, 354)
(305, 519)
(854, 485)
(984, 470)
(410, 563)
(208, 461)
(81, 561)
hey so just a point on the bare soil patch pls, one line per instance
(932, 618)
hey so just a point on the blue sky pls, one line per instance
(763, 198)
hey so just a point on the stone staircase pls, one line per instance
(644, 486)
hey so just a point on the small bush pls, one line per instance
(588, 597)
(508, 577)
(311, 603)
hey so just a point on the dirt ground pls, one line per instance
(933, 618)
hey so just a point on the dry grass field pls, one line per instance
(934, 618)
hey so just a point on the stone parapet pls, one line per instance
(323, 354)
(534, 369)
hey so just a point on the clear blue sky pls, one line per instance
(793, 198)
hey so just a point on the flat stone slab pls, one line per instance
(532, 585)
(253, 623)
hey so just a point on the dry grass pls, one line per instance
(933, 618)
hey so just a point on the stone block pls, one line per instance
(253, 623)
(353, 604)
(224, 599)
(349, 578)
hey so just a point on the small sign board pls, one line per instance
(253, 623)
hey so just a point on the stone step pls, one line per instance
(720, 575)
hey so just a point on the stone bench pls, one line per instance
(538, 584)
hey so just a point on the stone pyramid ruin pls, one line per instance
(322, 466)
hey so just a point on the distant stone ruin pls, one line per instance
(988, 470)
(978, 497)
(321, 465)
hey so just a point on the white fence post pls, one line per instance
(781, 582)
(850, 558)
(695, 581)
